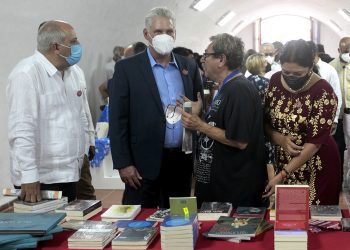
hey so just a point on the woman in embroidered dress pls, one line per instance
(299, 109)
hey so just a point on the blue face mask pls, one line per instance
(76, 50)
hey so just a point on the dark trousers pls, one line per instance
(174, 180)
(85, 189)
(340, 140)
(68, 189)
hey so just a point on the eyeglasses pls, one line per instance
(269, 54)
(206, 55)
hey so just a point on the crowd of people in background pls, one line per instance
(259, 118)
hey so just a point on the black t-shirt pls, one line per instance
(227, 173)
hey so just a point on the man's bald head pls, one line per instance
(52, 32)
(344, 45)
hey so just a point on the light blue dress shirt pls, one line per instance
(170, 87)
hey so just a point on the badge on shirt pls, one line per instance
(185, 72)
(79, 93)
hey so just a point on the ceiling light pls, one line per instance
(345, 14)
(226, 18)
(201, 4)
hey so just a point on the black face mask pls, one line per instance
(295, 82)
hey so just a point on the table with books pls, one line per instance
(324, 240)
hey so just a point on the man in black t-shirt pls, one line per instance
(230, 165)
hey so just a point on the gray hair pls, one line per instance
(49, 33)
(159, 11)
(231, 46)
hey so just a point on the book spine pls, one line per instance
(45, 194)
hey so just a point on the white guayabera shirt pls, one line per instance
(49, 122)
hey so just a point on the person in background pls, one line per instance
(143, 98)
(184, 52)
(300, 108)
(134, 49)
(278, 47)
(48, 124)
(342, 135)
(322, 54)
(244, 68)
(269, 51)
(256, 65)
(230, 165)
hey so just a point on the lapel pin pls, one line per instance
(185, 72)
(79, 93)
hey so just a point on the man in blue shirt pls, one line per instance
(145, 123)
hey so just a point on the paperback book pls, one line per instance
(122, 224)
(213, 210)
(117, 212)
(159, 215)
(79, 207)
(326, 212)
(183, 205)
(251, 212)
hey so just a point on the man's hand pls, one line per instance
(130, 176)
(30, 192)
(91, 152)
(290, 147)
(270, 187)
(196, 106)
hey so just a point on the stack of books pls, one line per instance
(159, 215)
(292, 217)
(258, 212)
(213, 210)
(81, 209)
(93, 236)
(19, 230)
(77, 224)
(236, 229)
(42, 206)
(135, 238)
(6, 202)
(326, 212)
(179, 232)
(118, 212)
(290, 239)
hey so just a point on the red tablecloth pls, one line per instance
(322, 241)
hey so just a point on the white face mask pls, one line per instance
(163, 44)
(345, 57)
(270, 59)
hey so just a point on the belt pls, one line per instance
(346, 110)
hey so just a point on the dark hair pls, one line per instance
(299, 52)
(320, 48)
(183, 51)
(325, 57)
(139, 47)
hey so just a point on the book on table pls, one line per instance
(250, 212)
(117, 212)
(36, 224)
(6, 202)
(213, 210)
(92, 237)
(40, 206)
(292, 207)
(122, 224)
(326, 212)
(135, 237)
(79, 207)
(183, 205)
(77, 224)
(85, 217)
(180, 232)
(230, 227)
(159, 215)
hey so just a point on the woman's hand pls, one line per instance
(270, 188)
(288, 145)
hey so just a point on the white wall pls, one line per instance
(329, 39)
(247, 35)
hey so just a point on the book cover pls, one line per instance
(92, 234)
(122, 224)
(6, 202)
(45, 194)
(292, 207)
(135, 236)
(159, 215)
(326, 212)
(176, 222)
(183, 205)
(122, 212)
(7, 238)
(86, 216)
(251, 211)
(235, 226)
(37, 224)
(79, 207)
